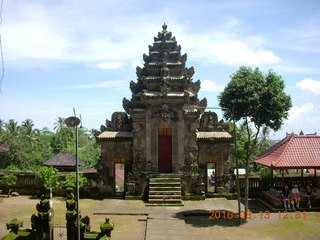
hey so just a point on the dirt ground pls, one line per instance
(22, 207)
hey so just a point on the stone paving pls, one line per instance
(165, 222)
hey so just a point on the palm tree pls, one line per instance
(265, 141)
(59, 124)
(12, 126)
(27, 129)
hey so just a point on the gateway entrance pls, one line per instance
(165, 150)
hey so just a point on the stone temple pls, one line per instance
(164, 138)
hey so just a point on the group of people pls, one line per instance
(292, 198)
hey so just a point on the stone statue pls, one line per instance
(106, 227)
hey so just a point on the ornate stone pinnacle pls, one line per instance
(164, 27)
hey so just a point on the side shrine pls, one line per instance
(165, 138)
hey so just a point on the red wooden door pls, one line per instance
(165, 150)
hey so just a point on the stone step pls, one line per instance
(169, 197)
(165, 180)
(164, 188)
(165, 175)
(164, 204)
(160, 200)
(165, 192)
(166, 184)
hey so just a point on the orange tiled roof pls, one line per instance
(294, 151)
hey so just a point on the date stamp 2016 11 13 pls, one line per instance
(259, 215)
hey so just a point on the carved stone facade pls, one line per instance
(164, 128)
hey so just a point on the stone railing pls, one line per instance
(256, 183)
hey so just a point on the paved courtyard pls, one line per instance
(165, 223)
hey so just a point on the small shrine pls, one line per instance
(164, 138)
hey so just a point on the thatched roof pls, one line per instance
(63, 159)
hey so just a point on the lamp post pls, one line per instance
(74, 122)
(235, 147)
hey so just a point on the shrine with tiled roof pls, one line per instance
(294, 151)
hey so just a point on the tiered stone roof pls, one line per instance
(164, 75)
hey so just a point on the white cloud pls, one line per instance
(311, 85)
(298, 114)
(119, 84)
(228, 48)
(109, 65)
(210, 86)
(42, 32)
(296, 69)
(237, 52)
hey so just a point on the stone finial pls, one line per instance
(164, 27)
(14, 225)
(106, 227)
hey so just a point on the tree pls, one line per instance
(9, 180)
(59, 124)
(70, 180)
(260, 101)
(48, 177)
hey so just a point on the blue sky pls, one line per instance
(83, 54)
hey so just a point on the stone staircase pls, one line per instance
(164, 190)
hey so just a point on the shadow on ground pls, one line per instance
(203, 218)
(222, 217)
(256, 206)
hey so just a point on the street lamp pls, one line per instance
(235, 147)
(74, 122)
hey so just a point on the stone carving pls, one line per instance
(229, 178)
(203, 103)
(138, 161)
(183, 58)
(165, 112)
(135, 87)
(209, 122)
(71, 217)
(195, 87)
(43, 222)
(127, 105)
(106, 227)
(14, 225)
(119, 122)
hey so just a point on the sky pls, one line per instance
(65, 54)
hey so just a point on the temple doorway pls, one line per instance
(211, 177)
(165, 150)
(119, 170)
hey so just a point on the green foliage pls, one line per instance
(70, 180)
(259, 98)
(8, 179)
(11, 168)
(261, 103)
(29, 148)
(48, 177)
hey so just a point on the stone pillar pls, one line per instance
(43, 222)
